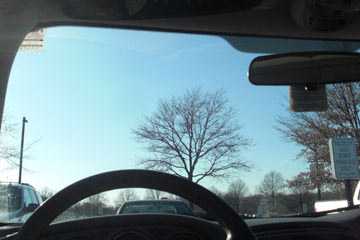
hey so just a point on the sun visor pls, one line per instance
(149, 9)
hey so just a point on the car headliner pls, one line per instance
(270, 20)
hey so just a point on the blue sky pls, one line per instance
(90, 86)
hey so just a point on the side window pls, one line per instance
(33, 197)
(27, 197)
(39, 197)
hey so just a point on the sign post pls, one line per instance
(344, 163)
(22, 147)
(348, 191)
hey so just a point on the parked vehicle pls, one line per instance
(155, 206)
(321, 206)
(18, 201)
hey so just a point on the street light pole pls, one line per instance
(22, 148)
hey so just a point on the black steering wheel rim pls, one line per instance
(231, 222)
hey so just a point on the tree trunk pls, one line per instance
(318, 193)
(273, 202)
(191, 204)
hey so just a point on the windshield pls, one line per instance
(10, 198)
(92, 100)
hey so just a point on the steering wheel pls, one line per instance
(233, 225)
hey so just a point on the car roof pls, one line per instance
(279, 18)
(22, 185)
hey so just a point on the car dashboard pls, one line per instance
(341, 226)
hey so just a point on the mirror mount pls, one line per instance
(311, 87)
(308, 98)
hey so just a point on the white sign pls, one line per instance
(344, 160)
(34, 41)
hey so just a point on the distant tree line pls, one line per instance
(274, 196)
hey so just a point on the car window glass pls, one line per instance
(149, 208)
(108, 84)
(39, 197)
(10, 198)
(168, 209)
(27, 197)
(182, 209)
(33, 197)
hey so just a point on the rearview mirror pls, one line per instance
(305, 68)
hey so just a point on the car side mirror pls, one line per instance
(31, 207)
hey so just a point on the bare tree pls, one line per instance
(125, 195)
(9, 144)
(97, 201)
(8, 149)
(153, 194)
(300, 187)
(216, 191)
(46, 193)
(308, 130)
(235, 195)
(338, 189)
(252, 203)
(311, 131)
(271, 186)
(195, 135)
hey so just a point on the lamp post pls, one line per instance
(22, 148)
